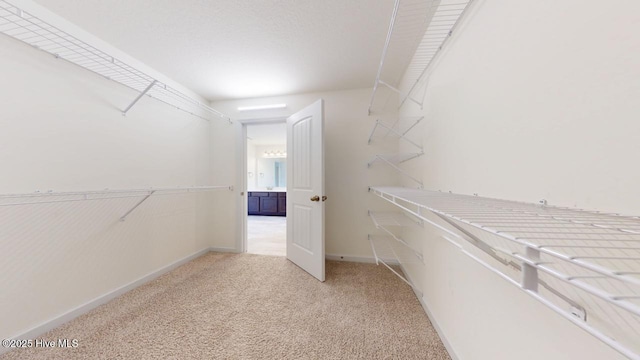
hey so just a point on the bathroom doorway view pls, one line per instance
(267, 189)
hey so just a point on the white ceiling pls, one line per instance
(225, 49)
(269, 134)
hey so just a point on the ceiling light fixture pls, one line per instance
(262, 107)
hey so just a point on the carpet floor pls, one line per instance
(244, 306)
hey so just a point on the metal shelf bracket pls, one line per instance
(124, 217)
(153, 83)
(397, 168)
(390, 130)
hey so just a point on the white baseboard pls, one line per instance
(359, 259)
(92, 304)
(432, 318)
(223, 250)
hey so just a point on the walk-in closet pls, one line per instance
(280, 179)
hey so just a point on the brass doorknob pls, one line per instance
(324, 198)
(315, 198)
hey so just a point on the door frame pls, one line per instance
(241, 175)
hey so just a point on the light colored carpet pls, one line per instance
(267, 235)
(243, 306)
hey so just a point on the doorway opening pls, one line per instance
(266, 189)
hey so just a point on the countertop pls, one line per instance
(265, 190)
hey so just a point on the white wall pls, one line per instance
(252, 168)
(346, 175)
(530, 100)
(62, 130)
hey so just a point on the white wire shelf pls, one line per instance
(104, 194)
(385, 255)
(407, 24)
(588, 257)
(23, 26)
(427, 24)
(444, 19)
(385, 221)
(382, 130)
(51, 197)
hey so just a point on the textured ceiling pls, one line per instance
(226, 49)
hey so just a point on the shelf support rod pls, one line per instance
(399, 170)
(416, 102)
(153, 83)
(486, 248)
(124, 217)
(414, 124)
(401, 135)
(373, 131)
(530, 273)
(394, 89)
(409, 97)
(412, 157)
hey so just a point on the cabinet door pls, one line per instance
(268, 205)
(282, 206)
(254, 205)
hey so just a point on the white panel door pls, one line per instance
(305, 189)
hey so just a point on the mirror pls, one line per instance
(281, 173)
(267, 157)
(272, 173)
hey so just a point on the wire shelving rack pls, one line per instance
(25, 27)
(386, 221)
(385, 254)
(438, 19)
(384, 131)
(51, 197)
(590, 259)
